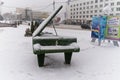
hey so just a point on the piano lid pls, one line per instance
(45, 22)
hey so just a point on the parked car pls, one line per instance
(38, 20)
(85, 26)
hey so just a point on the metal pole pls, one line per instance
(1, 3)
(53, 19)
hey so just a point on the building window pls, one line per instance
(100, 10)
(84, 3)
(91, 16)
(76, 8)
(118, 14)
(77, 4)
(76, 12)
(106, 4)
(101, 0)
(118, 9)
(80, 8)
(118, 3)
(80, 4)
(112, 4)
(111, 14)
(71, 13)
(87, 16)
(96, 6)
(91, 2)
(83, 12)
(83, 7)
(87, 7)
(79, 16)
(71, 16)
(112, 9)
(87, 2)
(106, 0)
(96, 1)
(95, 11)
(71, 6)
(91, 11)
(87, 11)
(91, 6)
(71, 9)
(101, 6)
(80, 12)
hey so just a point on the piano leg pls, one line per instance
(40, 58)
(68, 56)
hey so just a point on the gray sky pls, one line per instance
(10, 5)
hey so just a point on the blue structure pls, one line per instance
(98, 27)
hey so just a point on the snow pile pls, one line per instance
(36, 46)
(75, 45)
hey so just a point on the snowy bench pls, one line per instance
(43, 45)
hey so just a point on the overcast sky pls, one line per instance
(10, 5)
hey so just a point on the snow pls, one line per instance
(52, 37)
(36, 46)
(75, 45)
(93, 62)
(56, 47)
(46, 37)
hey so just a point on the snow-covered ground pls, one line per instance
(93, 62)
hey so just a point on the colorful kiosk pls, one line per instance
(106, 27)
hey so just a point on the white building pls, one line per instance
(84, 10)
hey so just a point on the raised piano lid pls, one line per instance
(46, 21)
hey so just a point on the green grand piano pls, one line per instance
(45, 43)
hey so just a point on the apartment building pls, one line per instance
(84, 10)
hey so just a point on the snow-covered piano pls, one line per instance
(48, 43)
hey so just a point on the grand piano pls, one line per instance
(45, 42)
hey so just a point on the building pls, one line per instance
(28, 14)
(39, 15)
(24, 14)
(84, 10)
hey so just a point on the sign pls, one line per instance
(113, 28)
(98, 27)
(95, 27)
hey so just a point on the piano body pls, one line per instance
(44, 43)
